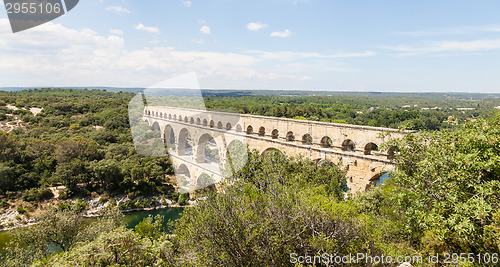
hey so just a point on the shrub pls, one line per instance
(4, 204)
(65, 194)
(173, 196)
(62, 206)
(45, 193)
(21, 210)
(183, 198)
(79, 205)
(30, 195)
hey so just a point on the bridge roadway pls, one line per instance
(355, 147)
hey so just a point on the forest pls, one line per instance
(443, 198)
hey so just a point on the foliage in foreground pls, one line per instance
(272, 208)
(447, 189)
(57, 230)
(444, 197)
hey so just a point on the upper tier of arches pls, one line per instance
(305, 138)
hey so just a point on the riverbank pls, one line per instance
(19, 213)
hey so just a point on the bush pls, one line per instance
(65, 194)
(183, 198)
(277, 208)
(173, 196)
(4, 204)
(21, 210)
(45, 193)
(79, 205)
(30, 195)
(62, 206)
(35, 194)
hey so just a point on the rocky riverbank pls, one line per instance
(22, 214)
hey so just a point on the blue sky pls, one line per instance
(404, 46)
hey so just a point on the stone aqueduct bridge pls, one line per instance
(354, 147)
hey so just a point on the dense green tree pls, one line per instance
(448, 186)
(271, 208)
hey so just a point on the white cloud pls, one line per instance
(198, 41)
(283, 34)
(53, 55)
(116, 31)
(141, 27)
(452, 31)
(290, 56)
(187, 3)
(448, 46)
(118, 9)
(205, 30)
(256, 26)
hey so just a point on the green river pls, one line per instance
(131, 220)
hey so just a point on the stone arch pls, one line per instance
(219, 125)
(146, 121)
(180, 117)
(376, 180)
(262, 131)
(161, 115)
(238, 128)
(191, 120)
(185, 147)
(307, 139)
(183, 175)
(186, 119)
(249, 129)
(326, 142)
(275, 134)
(183, 170)
(205, 181)
(198, 121)
(212, 123)
(324, 162)
(237, 154)
(157, 114)
(290, 137)
(348, 145)
(155, 126)
(207, 149)
(228, 126)
(370, 147)
(175, 117)
(205, 122)
(270, 150)
(169, 116)
(145, 112)
(169, 137)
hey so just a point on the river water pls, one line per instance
(131, 220)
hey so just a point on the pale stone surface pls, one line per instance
(364, 167)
